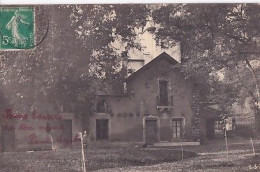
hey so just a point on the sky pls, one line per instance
(149, 48)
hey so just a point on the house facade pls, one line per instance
(20, 132)
(158, 106)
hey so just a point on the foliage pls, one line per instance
(101, 26)
(63, 71)
(78, 54)
(213, 37)
(245, 131)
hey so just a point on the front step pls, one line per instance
(172, 144)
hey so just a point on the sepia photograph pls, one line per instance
(137, 87)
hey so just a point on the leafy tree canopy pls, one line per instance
(213, 37)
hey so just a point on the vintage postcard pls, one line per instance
(130, 87)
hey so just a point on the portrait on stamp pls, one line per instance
(16, 27)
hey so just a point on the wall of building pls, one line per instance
(145, 90)
(126, 113)
(38, 131)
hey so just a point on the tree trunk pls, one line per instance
(256, 99)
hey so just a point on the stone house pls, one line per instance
(159, 105)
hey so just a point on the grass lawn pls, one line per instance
(212, 158)
(126, 157)
(99, 156)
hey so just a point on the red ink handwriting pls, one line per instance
(25, 127)
(9, 115)
(8, 127)
(46, 117)
(58, 127)
(34, 140)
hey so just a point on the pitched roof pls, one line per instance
(164, 55)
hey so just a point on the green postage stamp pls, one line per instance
(16, 28)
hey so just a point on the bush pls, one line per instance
(245, 131)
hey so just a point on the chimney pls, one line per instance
(133, 65)
(177, 53)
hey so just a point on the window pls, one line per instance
(163, 93)
(101, 106)
(177, 124)
(218, 127)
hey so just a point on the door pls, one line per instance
(151, 131)
(66, 134)
(210, 132)
(102, 129)
(8, 137)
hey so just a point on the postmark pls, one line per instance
(17, 28)
(41, 25)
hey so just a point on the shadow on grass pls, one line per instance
(222, 164)
(253, 160)
(136, 157)
(214, 165)
(96, 158)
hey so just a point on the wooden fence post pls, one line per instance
(226, 140)
(82, 151)
(253, 148)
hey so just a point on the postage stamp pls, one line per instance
(16, 28)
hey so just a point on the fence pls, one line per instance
(245, 121)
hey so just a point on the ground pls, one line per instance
(105, 157)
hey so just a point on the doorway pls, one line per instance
(66, 134)
(8, 137)
(102, 129)
(210, 132)
(151, 131)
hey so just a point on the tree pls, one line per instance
(63, 69)
(213, 37)
(99, 27)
